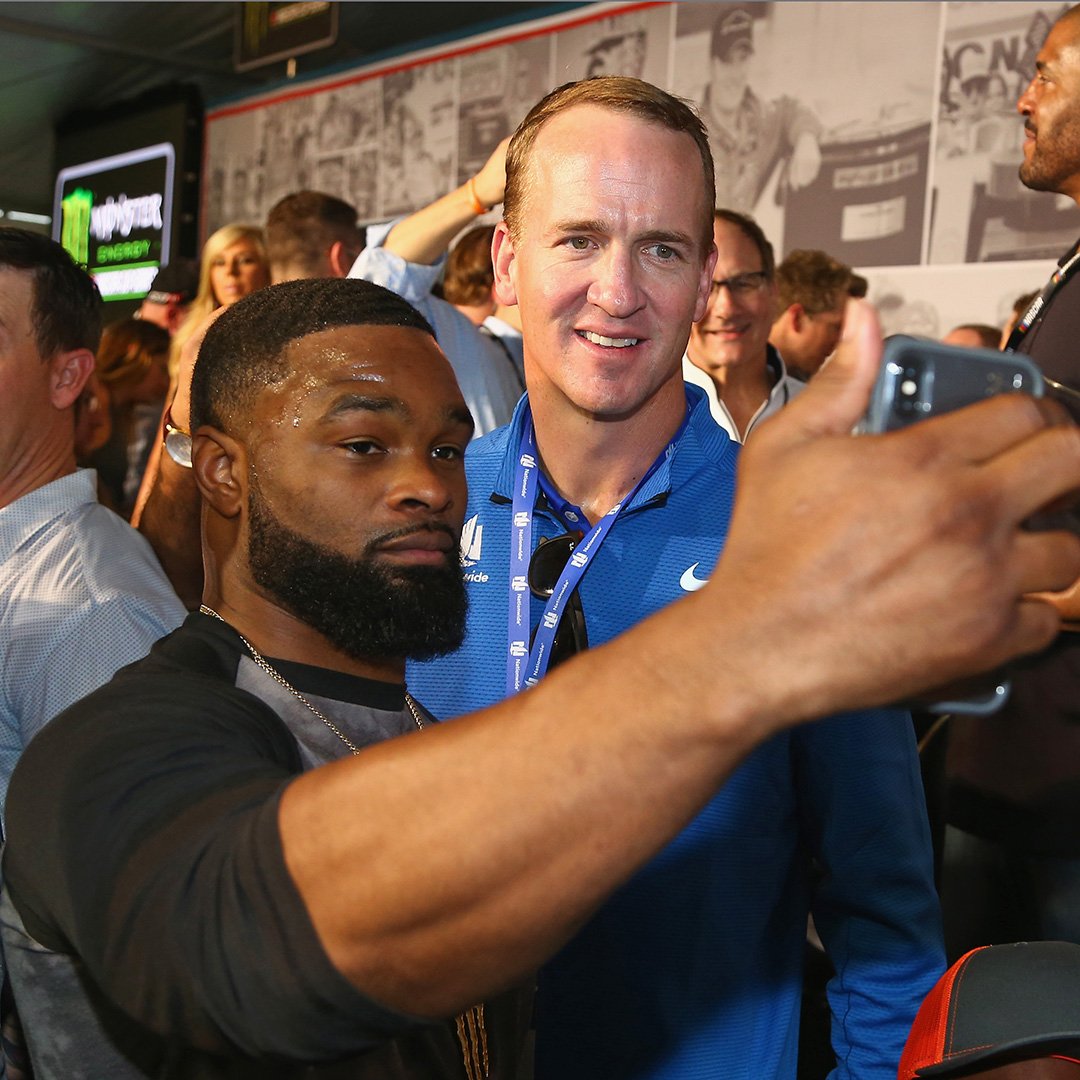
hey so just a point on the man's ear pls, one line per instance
(798, 317)
(219, 463)
(504, 264)
(705, 283)
(341, 257)
(68, 372)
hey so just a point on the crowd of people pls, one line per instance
(501, 678)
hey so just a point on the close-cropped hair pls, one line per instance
(303, 226)
(244, 350)
(469, 274)
(754, 233)
(619, 93)
(813, 279)
(66, 306)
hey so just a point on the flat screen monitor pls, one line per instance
(126, 190)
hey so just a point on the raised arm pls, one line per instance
(437, 868)
(167, 507)
(855, 574)
(424, 236)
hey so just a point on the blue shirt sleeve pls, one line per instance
(875, 906)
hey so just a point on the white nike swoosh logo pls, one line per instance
(689, 583)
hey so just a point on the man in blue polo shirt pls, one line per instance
(692, 969)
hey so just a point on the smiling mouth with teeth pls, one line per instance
(610, 342)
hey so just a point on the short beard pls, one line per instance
(1034, 179)
(359, 606)
(1057, 163)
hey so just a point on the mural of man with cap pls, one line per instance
(749, 137)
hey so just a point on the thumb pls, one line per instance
(836, 397)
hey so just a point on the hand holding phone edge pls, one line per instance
(929, 560)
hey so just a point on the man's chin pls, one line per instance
(1033, 179)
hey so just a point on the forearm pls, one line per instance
(876, 907)
(507, 828)
(424, 236)
(169, 519)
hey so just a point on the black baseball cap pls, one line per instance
(178, 281)
(996, 1005)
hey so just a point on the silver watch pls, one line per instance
(177, 442)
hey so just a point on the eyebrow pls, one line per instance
(665, 236)
(594, 225)
(462, 416)
(345, 404)
(660, 236)
(350, 403)
(740, 273)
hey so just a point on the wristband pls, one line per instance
(477, 206)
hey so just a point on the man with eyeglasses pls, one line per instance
(729, 355)
(608, 497)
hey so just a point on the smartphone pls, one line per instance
(920, 379)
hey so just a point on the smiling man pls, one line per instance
(729, 354)
(693, 969)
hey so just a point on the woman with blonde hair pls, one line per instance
(233, 265)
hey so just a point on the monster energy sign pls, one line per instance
(113, 216)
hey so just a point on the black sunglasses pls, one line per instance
(545, 568)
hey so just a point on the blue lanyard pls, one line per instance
(525, 668)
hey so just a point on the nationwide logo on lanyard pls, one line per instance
(525, 667)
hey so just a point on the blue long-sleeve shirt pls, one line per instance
(693, 969)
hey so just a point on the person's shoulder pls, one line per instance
(491, 445)
(485, 457)
(117, 563)
(706, 444)
(184, 688)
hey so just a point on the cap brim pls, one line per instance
(1045, 1045)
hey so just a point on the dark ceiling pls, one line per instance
(60, 57)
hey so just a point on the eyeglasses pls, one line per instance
(545, 568)
(740, 284)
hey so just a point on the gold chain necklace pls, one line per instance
(471, 1030)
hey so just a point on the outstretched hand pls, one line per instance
(879, 566)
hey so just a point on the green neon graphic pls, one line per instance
(75, 227)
